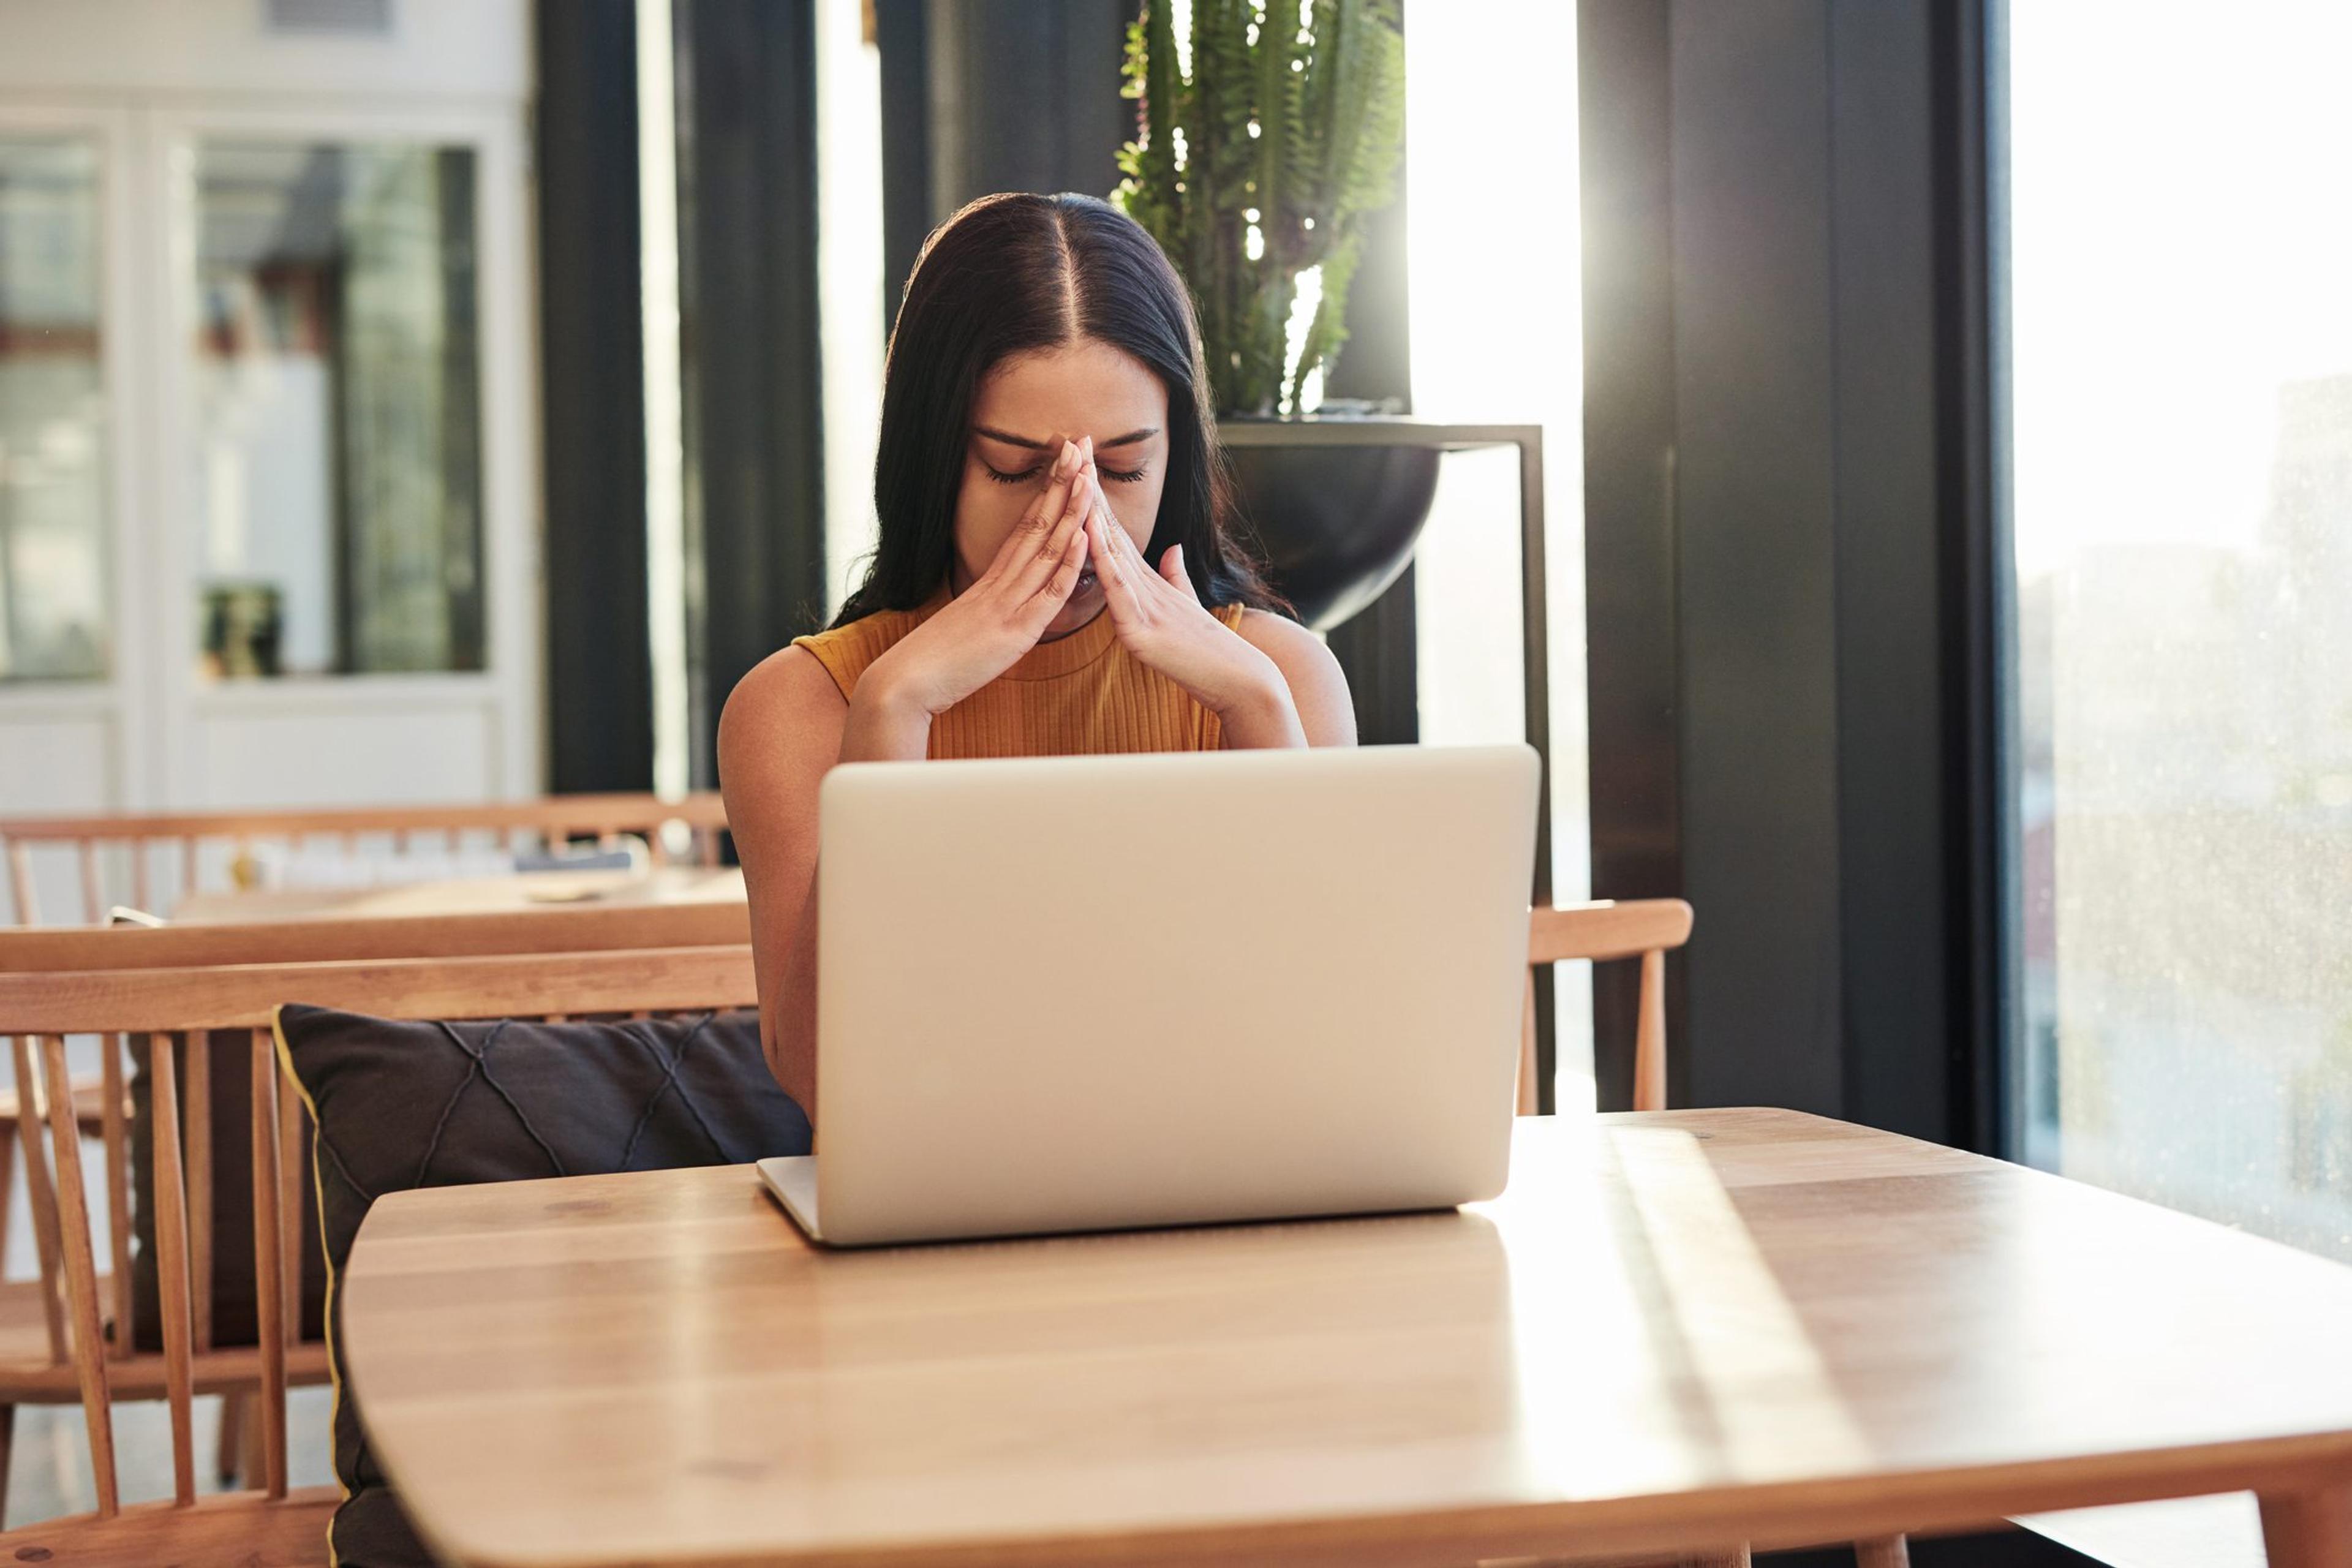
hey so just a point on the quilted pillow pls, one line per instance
(402, 1105)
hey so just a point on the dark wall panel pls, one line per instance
(1755, 502)
(592, 361)
(1892, 798)
(994, 95)
(902, 37)
(1634, 654)
(748, 299)
(1789, 554)
(1034, 86)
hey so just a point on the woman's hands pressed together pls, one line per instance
(981, 632)
(1160, 620)
(1068, 545)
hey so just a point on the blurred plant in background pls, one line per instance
(1261, 148)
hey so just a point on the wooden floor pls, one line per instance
(49, 1474)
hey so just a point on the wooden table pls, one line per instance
(521, 892)
(1679, 1330)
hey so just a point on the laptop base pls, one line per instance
(792, 1179)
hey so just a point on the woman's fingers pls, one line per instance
(1062, 582)
(1033, 537)
(1171, 567)
(1068, 524)
(1112, 568)
(1126, 563)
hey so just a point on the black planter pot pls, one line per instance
(1335, 524)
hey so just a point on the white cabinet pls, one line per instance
(269, 507)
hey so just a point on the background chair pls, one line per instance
(35, 1345)
(130, 844)
(166, 1013)
(548, 824)
(1639, 928)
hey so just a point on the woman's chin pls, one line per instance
(1085, 602)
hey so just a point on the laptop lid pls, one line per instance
(1066, 993)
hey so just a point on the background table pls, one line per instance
(516, 893)
(1677, 1329)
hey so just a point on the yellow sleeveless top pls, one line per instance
(1079, 695)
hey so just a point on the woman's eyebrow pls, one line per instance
(1129, 439)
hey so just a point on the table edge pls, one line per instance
(1769, 1515)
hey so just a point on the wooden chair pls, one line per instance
(548, 823)
(1647, 928)
(85, 948)
(171, 1014)
(1639, 928)
(558, 928)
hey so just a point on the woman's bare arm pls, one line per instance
(1317, 688)
(780, 734)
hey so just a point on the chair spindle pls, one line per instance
(20, 885)
(268, 1288)
(114, 1133)
(291, 1175)
(172, 1264)
(91, 892)
(40, 1196)
(82, 1275)
(196, 1097)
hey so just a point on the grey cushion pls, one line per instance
(402, 1105)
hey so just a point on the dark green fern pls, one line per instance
(1290, 122)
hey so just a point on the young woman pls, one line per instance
(1054, 573)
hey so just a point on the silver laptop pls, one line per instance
(1092, 992)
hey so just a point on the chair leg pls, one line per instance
(1528, 1091)
(7, 1455)
(2309, 1529)
(1886, 1552)
(252, 1462)
(228, 1451)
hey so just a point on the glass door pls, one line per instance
(337, 388)
(71, 641)
(351, 544)
(56, 623)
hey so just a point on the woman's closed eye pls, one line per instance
(1119, 476)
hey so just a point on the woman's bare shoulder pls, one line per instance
(787, 701)
(1318, 686)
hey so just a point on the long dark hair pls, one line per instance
(1006, 274)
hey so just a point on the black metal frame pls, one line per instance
(1977, 73)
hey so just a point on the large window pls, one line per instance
(53, 412)
(1498, 335)
(2180, 278)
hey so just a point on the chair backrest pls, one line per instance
(558, 928)
(1637, 928)
(549, 823)
(174, 1014)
